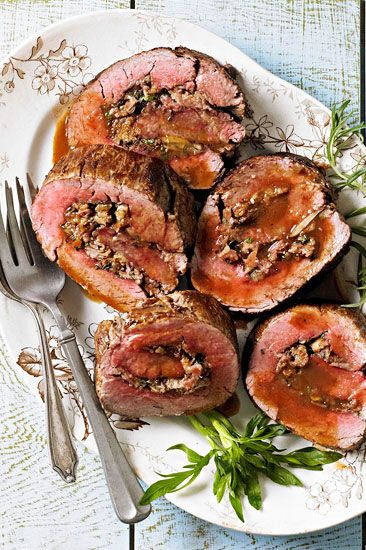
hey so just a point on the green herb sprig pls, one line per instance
(240, 460)
(361, 276)
(341, 136)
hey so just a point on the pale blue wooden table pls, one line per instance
(314, 44)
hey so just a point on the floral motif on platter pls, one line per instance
(62, 71)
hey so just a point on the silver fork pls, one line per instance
(41, 281)
(61, 449)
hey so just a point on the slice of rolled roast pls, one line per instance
(306, 371)
(178, 105)
(117, 222)
(175, 356)
(269, 228)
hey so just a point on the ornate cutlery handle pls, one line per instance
(123, 486)
(60, 444)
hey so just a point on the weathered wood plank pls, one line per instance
(19, 19)
(38, 509)
(168, 530)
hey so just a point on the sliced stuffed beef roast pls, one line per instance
(269, 227)
(178, 355)
(117, 222)
(178, 105)
(306, 371)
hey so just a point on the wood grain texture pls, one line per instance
(37, 508)
(313, 44)
(22, 18)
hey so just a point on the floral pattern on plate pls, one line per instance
(62, 70)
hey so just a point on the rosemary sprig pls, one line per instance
(361, 276)
(240, 460)
(355, 213)
(340, 138)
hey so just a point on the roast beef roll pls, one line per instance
(268, 228)
(117, 222)
(178, 105)
(306, 371)
(178, 355)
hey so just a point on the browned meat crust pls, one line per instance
(228, 72)
(119, 261)
(145, 175)
(189, 307)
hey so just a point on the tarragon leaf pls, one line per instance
(237, 505)
(253, 490)
(280, 475)
(255, 461)
(356, 212)
(309, 456)
(219, 486)
(164, 486)
(191, 455)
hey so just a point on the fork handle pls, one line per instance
(123, 486)
(62, 452)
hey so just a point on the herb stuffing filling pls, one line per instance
(293, 367)
(261, 258)
(177, 141)
(84, 223)
(196, 372)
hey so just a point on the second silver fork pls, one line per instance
(62, 452)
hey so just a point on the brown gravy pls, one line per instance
(60, 144)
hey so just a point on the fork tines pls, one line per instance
(18, 241)
(26, 222)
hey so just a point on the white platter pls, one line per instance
(36, 81)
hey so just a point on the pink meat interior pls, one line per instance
(48, 212)
(230, 282)
(131, 353)
(292, 404)
(185, 124)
